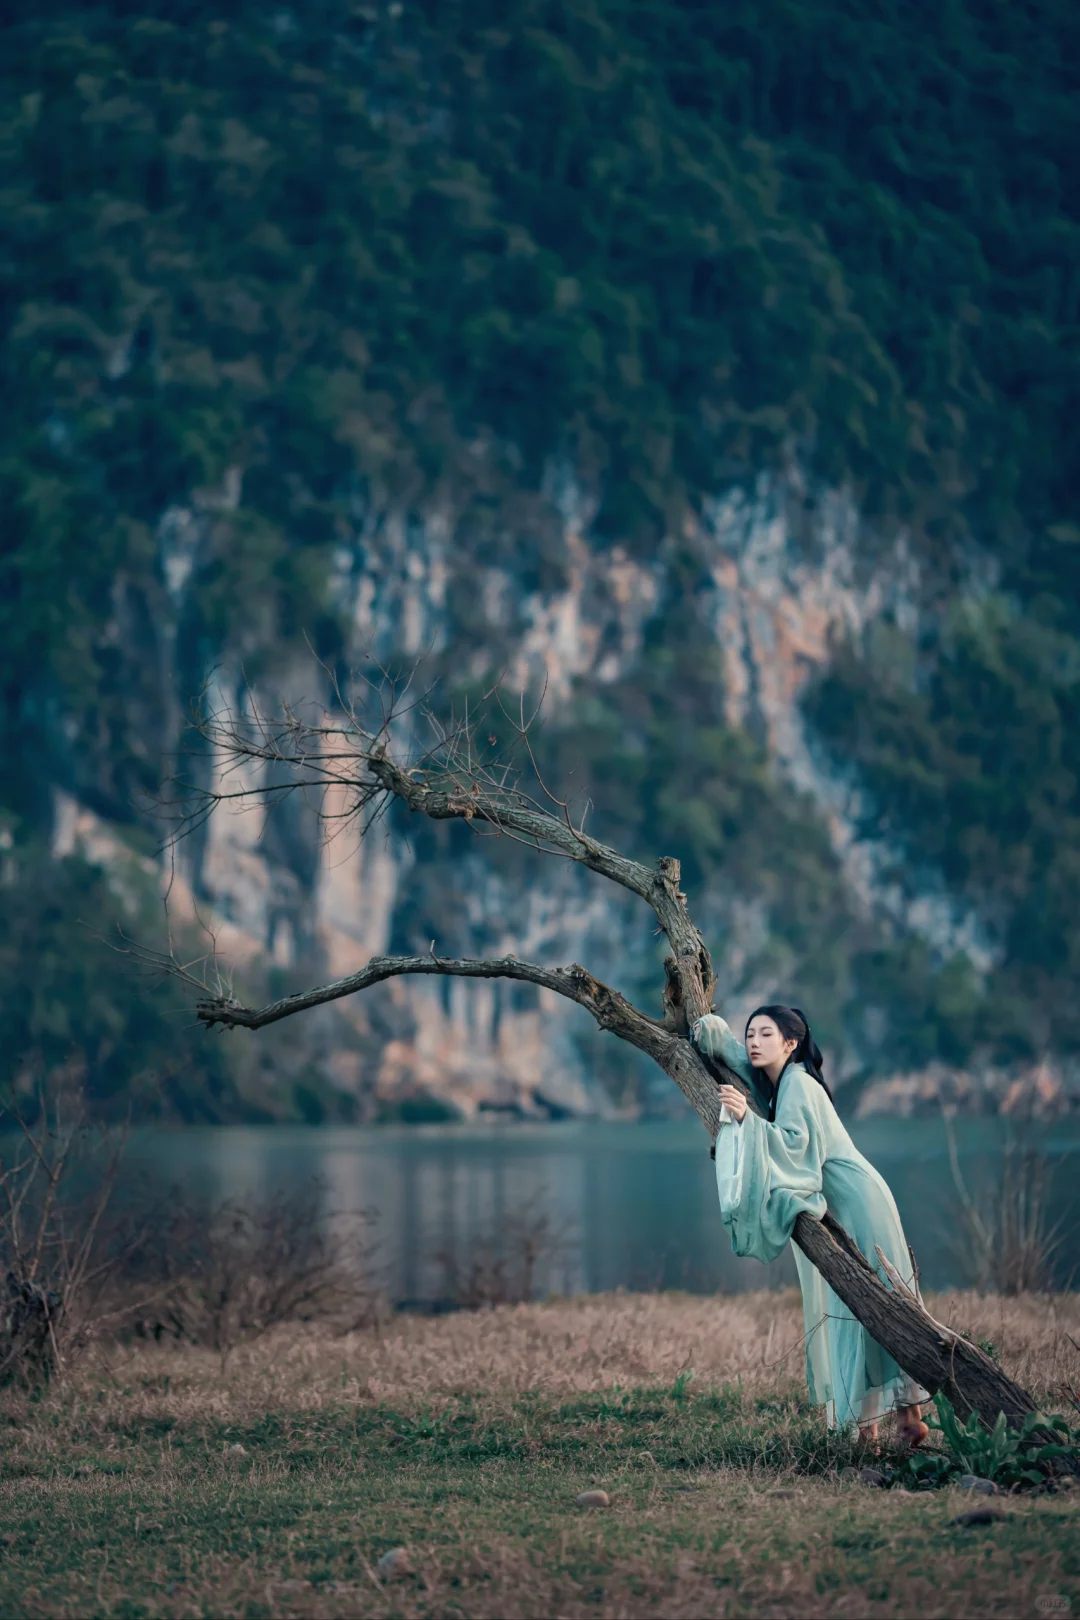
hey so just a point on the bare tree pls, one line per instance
(224, 1274)
(1005, 1235)
(361, 759)
(58, 1175)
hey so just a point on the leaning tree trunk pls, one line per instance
(346, 759)
(941, 1360)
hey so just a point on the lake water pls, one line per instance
(630, 1205)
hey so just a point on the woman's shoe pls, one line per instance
(909, 1436)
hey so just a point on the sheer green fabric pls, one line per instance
(767, 1174)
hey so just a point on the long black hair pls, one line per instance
(793, 1025)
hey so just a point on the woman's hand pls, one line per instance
(736, 1101)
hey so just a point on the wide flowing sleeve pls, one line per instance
(712, 1035)
(779, 1171)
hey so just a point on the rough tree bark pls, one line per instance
(453, 784)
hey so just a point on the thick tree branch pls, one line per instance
(450, 783)
(611, 1010)
(659, 887)
(941, 1359)
(608, 1007)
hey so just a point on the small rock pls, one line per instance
(593, 1499)
(979, 1486)
(236, 1450)
(979, 1515)
(872, 1476)
(393, 1563)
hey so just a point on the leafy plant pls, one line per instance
(1005, 1454)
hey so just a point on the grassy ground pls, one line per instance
(466, 1439)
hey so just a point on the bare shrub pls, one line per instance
(511, 1263)
(224, 1275)
(58, 1259)
(1005, 1237)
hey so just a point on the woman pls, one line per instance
(799, 1157)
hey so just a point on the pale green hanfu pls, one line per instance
(767, 1174)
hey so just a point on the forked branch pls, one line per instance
(348, 763)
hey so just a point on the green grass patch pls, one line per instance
(719, 1503)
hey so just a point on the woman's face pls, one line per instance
(765, 1046)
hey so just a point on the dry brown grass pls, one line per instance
(558, 1348)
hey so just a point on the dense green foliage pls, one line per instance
(73, 1012)
(975, 768)
(76, 1011)
(59, 1007)
(383, 256)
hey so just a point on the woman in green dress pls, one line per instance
(795, 1155)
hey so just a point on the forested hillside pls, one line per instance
(274, 278)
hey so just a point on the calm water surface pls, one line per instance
(634, 1205)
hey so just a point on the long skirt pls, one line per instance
(847, 1371)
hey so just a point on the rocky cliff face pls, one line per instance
(283, 894)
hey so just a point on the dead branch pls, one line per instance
(451, 781)
(611, 1010)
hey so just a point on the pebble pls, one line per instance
(235, 1450)
(593, 1499)
(980, 1487)
(393, 1563)
(979, 1515)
